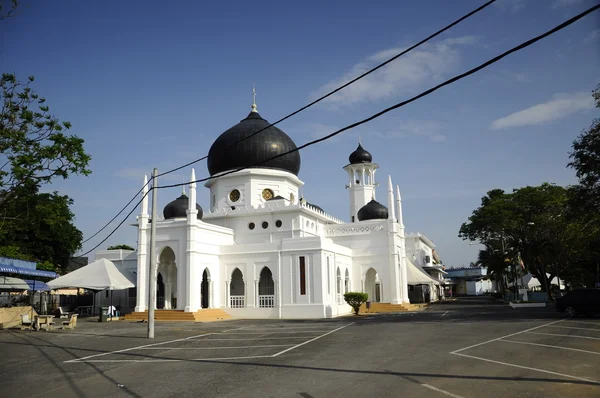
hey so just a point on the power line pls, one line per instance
(118, 214)
(118, 226)
(475, 11)
(401, 104)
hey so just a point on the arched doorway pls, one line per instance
(266, 289)
(237, 290)
(160, 292)
(205, 289)
(167, 272)
(372, 285)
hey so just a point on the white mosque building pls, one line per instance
(261, 251)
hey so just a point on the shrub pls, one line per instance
(355, 300)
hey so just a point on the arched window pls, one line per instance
(266, 289)
(237, 290)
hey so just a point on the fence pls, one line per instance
(237, 302)
(266, 301)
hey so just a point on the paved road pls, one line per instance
(470, 348)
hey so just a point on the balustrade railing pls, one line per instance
(266, 301)
(237, 302)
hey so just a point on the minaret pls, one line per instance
(142, 253)
(361, 172)
(399, 207)
(391, 204)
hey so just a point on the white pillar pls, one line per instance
(227, 294)
(211, 294)
(142, 255)
(256, 293)
(191, 303)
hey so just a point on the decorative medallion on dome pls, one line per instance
(267, 194)
(360, 155)
(178, 208)
(372, 211)
(240, 147)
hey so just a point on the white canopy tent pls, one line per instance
(531, 282)
(100, 275)
(417, 277)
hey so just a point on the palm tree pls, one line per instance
(495, 262)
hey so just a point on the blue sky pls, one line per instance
(152, 84)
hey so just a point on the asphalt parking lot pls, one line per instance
(464, 349)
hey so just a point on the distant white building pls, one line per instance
(261, 251)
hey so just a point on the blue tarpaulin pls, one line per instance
(37, 285)
(10, 269)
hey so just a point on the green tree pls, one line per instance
(33, 145)
(535, 221)
(39, 226)
(120, 247)
(355, 300)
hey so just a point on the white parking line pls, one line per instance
(565, 335)
(442, 391)
(258, 338)
(503, 337)
(528, 368)
(278, 332)
(154, 346)
(215, 348)
(550, 346)
(129, 349)
(311, 340)
(586, 322)
(572, 327)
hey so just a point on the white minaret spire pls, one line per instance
(254, 109)
(399, 207)
(192, 192)
(391, 204)
(145, 193)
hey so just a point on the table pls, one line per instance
(42, 320)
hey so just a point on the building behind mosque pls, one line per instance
(262, 251)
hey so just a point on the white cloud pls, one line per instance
(565, 3)
(137, 174)
(418, 128)
(421, 66)
(510, 5)
(561, 105)
(594, 35)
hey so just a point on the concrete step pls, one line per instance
(204, 315)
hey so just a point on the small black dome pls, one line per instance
(228, 153)
(360, 156)
(278, 197)
(178, 208)
(372, 211)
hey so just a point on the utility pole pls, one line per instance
(152, 265)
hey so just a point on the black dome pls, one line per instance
(360, 156)
(227, 153)
(372, 211)
(178, 208)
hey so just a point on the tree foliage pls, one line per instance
(39, 227)
(33, 145)
(355, 300)
(534, 222)
(586, 162)
(120, 247)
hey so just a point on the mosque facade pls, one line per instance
(261, 251)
